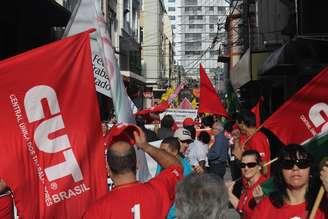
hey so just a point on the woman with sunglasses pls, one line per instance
(250, 192)
(296, 187)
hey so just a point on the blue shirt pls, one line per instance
(219, 151)
(187, 169)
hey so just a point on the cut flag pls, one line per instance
(52, 150)
(304, 115)
(257, 111)
(209, 100)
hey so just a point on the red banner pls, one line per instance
(52, 151)
(305, 114)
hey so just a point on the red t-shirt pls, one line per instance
(266, 210)
(246, 197)
(139, 200)
(6, 207)
(260, 143)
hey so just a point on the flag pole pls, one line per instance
(317, 202)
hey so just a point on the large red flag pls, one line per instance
(209, 101)
(52, 151)
(305, 114)
(257, 111)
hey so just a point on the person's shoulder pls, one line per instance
(98, 207)
(173, 171)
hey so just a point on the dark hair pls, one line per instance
(208, 121)
(192, 130)
(293, 151)
(140, 120)
(167, 121)
(122, 163)
(247, 117)
(254, 153)
(204, 137)
(173, 143)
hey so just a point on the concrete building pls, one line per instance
(123, 20)
(153, 62)
(169, 73)
(198, 34)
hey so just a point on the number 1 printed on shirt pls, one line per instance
(136, 211)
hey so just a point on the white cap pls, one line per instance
(183, 134)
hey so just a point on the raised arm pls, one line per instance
(162, 157)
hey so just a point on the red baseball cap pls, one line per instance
(121, 132)
(188, 122)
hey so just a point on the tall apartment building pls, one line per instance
(196, 24)
(153, 63)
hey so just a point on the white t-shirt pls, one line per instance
(197, 151)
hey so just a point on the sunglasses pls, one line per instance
(248, 165)
(300, 163)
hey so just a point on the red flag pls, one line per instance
(52, 150)
(209, 101)
(257, 111)
(155, 109)
(305, 114)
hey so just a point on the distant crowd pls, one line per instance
(190, 180)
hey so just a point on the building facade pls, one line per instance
(153, 63)
(198, 34)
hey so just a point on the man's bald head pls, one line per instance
(121, 158)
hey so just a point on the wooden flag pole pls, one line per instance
(317, 202)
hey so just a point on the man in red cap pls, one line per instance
(130, 198)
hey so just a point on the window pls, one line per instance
(193, 36)
(192, 52)
(191, 2)
(211, 8)
(172, 17)
(192, 17)
(195, 26)
(173, 26)
(221, 10)
(211, 26)
(213, 19)
(171, 0)
(171, 9)
(193, 45)
(199, 17)
(214, 52)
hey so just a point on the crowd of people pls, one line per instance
(190, 180)
(205, 150)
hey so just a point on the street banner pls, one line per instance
(52, 150)
(107, 76)
(304, 115)
(209, 100)
(179, 114)
(185, 104)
